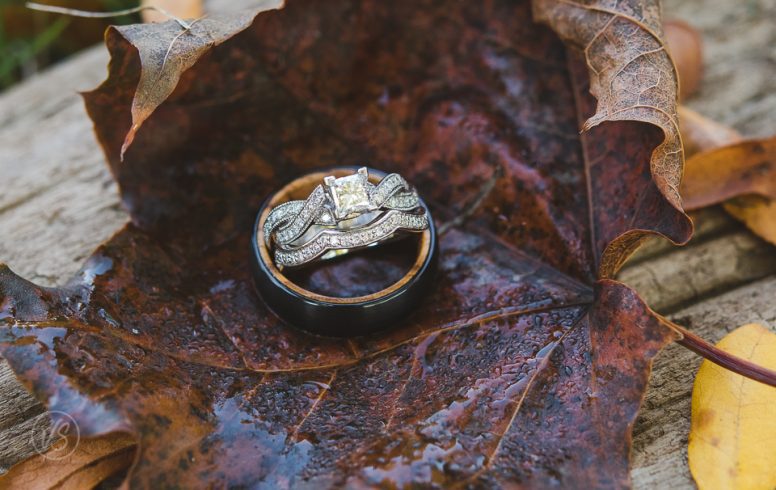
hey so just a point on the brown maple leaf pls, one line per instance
(526, 365)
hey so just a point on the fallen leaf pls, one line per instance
(743, 176)
(702, 134)
(91, 462)
(725, 174)
(525, 365)
(704, 182)
(183, 9)
(744, 168)
(733, 425)
(167, 50)
(757, 213)
(686, 48)
(699, 133)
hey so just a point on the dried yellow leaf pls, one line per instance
(758, 213)
(733, 434)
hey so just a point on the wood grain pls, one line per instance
(58, 202)
(660, 433)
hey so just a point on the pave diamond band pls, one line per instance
(287, 220)
(341, 215)
(332, 240)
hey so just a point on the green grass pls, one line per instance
(48, 38)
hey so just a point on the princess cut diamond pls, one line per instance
(350, 194)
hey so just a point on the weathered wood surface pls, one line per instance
(58, 202)
(725, 277)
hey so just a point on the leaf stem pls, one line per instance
(103, 15)
(721, 358)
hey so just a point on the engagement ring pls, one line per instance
(342, 215)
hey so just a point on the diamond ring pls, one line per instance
(329, 214)
(342, 215)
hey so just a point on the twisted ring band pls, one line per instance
(341, 215)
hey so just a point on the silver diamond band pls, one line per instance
(331, 240)
(291, 218)
(340, 215)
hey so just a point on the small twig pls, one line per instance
(720, 357)
(104, 15)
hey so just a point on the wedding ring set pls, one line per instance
(342, 215)
(327, 215)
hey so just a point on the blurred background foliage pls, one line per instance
(31, 40)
